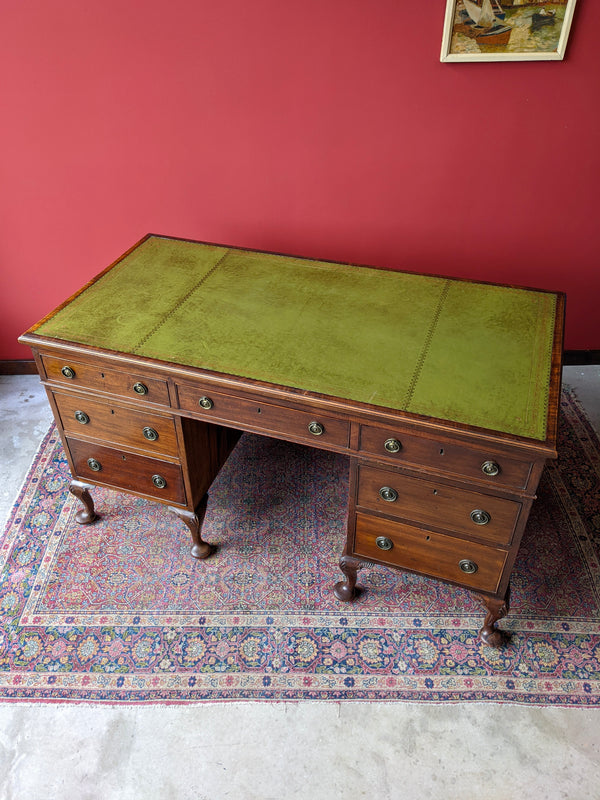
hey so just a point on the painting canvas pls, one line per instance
(506, 30)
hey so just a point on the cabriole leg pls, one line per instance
(346, 590)
(81, 492)
(497, 608)
(200, 548)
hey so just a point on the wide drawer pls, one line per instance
(161, 480)
(89, 376)
(474, 514)
(438, 555)
(127, 427)
(446, 456)
(316, 428)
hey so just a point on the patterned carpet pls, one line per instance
(119, 612)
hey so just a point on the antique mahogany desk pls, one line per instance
(443, 393)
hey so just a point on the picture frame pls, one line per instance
(506, 30)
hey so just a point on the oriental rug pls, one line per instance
(119, 612)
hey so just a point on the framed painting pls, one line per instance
(506, 30)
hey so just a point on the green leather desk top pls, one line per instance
(478, 354)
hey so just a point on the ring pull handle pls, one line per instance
(68, 372)
(206, 403)
(388, 494)
(480, 517)
(150, 434)
(383, 543)
(94, 465)
(140, 388)
(392, 446)
(467, 566)
(490, 468)
(316, 429)
(159, 481)
(82, 417)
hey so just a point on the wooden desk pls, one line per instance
(443, 393)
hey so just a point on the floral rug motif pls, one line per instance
(119, 612)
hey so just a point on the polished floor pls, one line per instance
(271, 751)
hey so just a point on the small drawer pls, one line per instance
(468, 563)
(315, 428)
(161, 480)
(481, 516)
(89, 376)
(445, 456)
(127, 427)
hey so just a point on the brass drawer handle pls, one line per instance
(392, 446)
(480, 517)
(140, 388)
(68, 372)
(150, 434)
(467, 566)
(383, 543)
(159, 481)
(82, 417)
(490, 468)
(206, 403)
(388, 494)
(94, 465)
(316, 429)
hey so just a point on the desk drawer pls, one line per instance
(446, 456)
(315, 428)
(161, 480)
(78, 374)
(438, 555)
(474, 514)
(127, 427)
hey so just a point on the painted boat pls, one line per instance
(499, 12)
(483, 25)
(541, 18)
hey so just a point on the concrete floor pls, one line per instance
(268, 751)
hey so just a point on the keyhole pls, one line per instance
(258, 410)
(435, 491)
(441, 451)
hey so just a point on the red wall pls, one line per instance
(326, 128)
